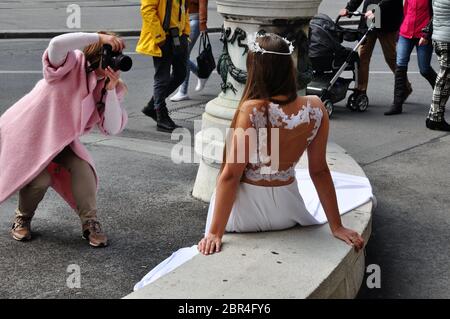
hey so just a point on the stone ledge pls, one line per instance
(302, 262)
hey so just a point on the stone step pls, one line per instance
(303, 262)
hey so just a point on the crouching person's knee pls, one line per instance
(42, 181)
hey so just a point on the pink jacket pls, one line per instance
(57, 111)
(417, 15)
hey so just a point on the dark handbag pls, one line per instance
(205, 60)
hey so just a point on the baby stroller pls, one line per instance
(329, 59)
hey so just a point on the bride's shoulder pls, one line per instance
(250, 106)
(313, 104)
(310, 100)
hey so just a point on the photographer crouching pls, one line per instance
(39, 134)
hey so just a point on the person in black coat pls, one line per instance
(391, 17)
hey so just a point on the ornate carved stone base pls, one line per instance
(287, 18)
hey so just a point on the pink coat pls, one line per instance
(57, 111)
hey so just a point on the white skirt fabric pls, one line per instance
(259, 208)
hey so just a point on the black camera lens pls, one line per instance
(122, 62)
(115, 60)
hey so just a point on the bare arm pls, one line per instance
(226, 190)
(321, 177)
(203, 14)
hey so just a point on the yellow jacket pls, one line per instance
(152, 33)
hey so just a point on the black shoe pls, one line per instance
(163, 121)
(437, 125)
(149, 109)
(395, 109)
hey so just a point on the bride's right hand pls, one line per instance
(350, 237)
(210, 244)
(116, 43)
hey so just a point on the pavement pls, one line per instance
(48, 18)
(145, 199)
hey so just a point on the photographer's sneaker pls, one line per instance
(180, 96)
(200, 84)
(21, 228)
(92, 231)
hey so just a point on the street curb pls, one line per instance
(48, 34)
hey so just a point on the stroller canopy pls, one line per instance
(324, 36)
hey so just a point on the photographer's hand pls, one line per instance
(116, 43)
(113, 77)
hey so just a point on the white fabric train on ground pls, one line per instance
(351, 191)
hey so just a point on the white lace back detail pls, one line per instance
(261, 170)
(259, 174)
(277, 118)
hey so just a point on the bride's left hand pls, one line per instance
(351, 237)
(210, 244)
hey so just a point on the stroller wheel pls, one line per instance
(362, 102)
(351, 102)
(329, 106)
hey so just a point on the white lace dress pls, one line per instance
(262, 208)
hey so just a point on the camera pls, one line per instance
(175, 35)
(115, 60)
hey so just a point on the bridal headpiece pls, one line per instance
(254, 46)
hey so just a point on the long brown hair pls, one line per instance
(268, 75)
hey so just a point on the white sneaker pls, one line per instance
(180, 97)
(200, 84)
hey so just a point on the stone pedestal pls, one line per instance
(287, 18)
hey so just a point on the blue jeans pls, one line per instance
(191, 66)
(424, 53)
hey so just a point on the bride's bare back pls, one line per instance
(283, 134)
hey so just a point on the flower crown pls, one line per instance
(254, 46)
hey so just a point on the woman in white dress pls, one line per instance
(259, 192)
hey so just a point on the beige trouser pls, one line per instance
(84, 187)
(388, 41)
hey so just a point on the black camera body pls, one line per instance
(115, 60)
(175, 35)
